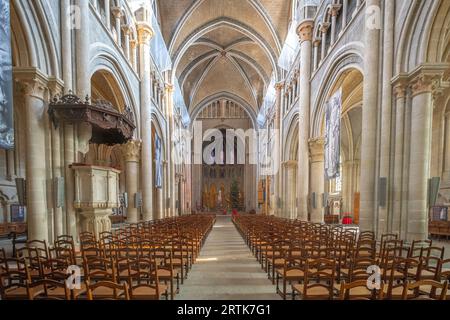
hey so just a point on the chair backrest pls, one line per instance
(358, 268)
(320, 273)
(412, 290)
(114, 291)
(437, 252)
(34, 290)
(362, 291)
(445, 269)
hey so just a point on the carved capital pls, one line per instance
(131, 151)
(126, 29)
(305, 30)
(145, 32)
(316, 149)
(334, 9)
(31, 82)
(55, 86)
(324, 27)
(423, 83)
(279, 86)
(400, 90)
(117, 12)
(169, 87)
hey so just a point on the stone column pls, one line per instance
(57, 164)
(82, 50)
(145, 33)
(400, 96)
(66, 46)
(108, 14)
(344, 15)
(334, 12)
(316, 149)
(34, 86)
(304, 31)
(420, 157)
(69, 159)
(170, 156)
(278, 123)
(126, 31)
(131, 153)
(324, 28)
(133, 44)
(291, 199)
(447, 147)
(117, 12)
(384, 221)
(316, 44)
(369, 126)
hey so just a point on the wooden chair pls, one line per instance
(438, 290)
(318, 282)
(13, 282)
(292, 271)
(400, 271)
(107, 290)
(358, 290)
(48, 289)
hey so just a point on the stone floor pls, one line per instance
(226, 269)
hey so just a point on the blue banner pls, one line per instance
(6, 83)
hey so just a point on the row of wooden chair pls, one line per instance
(320, 261)
(139, 261)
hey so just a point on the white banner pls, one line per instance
(333, 136)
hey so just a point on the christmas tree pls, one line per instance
(234, 195)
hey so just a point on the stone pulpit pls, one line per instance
(96, 194)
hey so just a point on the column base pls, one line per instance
(96, 221)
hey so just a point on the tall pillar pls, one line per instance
(117, 12)
(145, 33)
(278, 123)
(69, 159)
(400, 97)
(304, 31)
(57, 164)
(420, 158)
(384, 221)
(317, 178)
(66, 46)
(33, 85)
(171, 163)
(131, 154)
(82, 51)
(369, 125)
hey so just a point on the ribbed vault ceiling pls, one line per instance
(229, 46)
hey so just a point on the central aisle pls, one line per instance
(226, 269)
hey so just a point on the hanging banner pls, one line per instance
(158, 162)
(6, 83)
(333, 136)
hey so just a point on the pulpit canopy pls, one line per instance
(109, 126)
